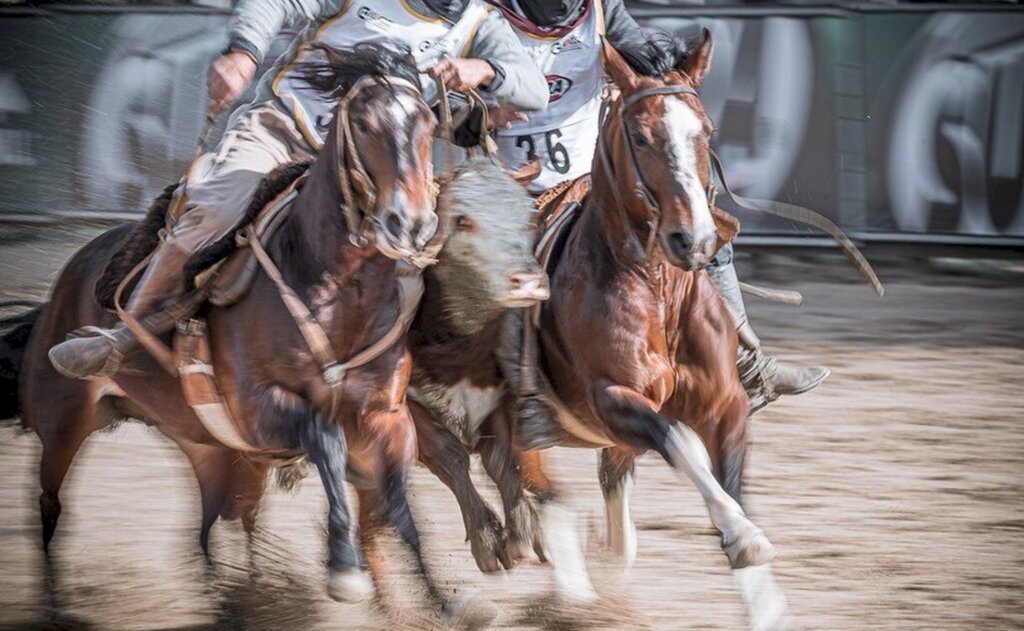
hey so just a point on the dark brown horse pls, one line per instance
(271, 383)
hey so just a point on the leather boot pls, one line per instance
(96, 352)
(519, 359)
(763, 377)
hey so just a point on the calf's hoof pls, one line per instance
(488, 547)
(349, 586)
(748, 549)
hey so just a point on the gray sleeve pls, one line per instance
(518, 83)
(255, 23)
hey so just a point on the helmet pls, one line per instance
(551, 13)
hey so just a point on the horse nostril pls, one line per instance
(679, 243)
(393, 224)
(424, 230)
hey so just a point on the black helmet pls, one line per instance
(551, 13)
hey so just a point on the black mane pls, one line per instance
(333, 71)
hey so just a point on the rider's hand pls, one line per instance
(503, 117)
(461, 74)
(230, 74)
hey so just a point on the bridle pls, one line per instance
(640, 188)
(357, 188)
(779, 209)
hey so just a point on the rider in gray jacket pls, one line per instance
(464, 42)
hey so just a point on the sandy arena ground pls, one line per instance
(893, 493)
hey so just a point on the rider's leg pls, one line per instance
(519, 359)
(215, 195)
(763, 377)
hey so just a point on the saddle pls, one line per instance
(229, 281)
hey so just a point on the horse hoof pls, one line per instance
(749, 549)
(349, 586)
(470, 612)
(522, 534)
(485, 545)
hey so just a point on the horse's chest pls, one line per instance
(461, 408)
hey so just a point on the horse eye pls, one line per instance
(639, 139)
(361, 126)
(465, 223)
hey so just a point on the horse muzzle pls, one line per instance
(685, 251)
(525, 289)
(402, 236)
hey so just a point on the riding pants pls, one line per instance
(216, 192)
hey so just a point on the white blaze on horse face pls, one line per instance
(684, 128)
(621, 531)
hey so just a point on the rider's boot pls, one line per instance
(519, 358)
(764, 378)
(157, 303)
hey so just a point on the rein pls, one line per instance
(780, 209)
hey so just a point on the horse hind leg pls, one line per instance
(615, 473)
(230, 486)
(62, 429)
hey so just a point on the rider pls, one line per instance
(564, 39)
(464, 42)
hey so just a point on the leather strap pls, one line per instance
(804, 216)
(410, 290)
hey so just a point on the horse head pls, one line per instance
(657, 135)
(381, 133)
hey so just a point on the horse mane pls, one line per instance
(143, 239)
(336, 70)
(270, 187)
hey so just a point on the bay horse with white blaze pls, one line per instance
(284, 405)
(636, 342)
(663, 377)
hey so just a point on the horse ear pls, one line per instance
(620, 72)
(696, 63)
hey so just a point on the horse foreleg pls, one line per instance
(324, 443)
(501, 460)
(765, 600)
(634, 421)
(562, 546)
(615, 473)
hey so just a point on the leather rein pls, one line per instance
(780, 209)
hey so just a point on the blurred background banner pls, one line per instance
(899, 123)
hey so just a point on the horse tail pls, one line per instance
(142, 240)
(15, 332)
